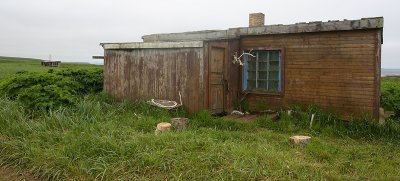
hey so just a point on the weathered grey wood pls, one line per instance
(315, 26)
(180, 123)
(300, 140)
(157, 74)
(187, 36)
(152, 45)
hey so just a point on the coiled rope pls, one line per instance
(166, 104)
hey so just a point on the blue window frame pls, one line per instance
(262, 72)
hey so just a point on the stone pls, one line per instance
(300, 140)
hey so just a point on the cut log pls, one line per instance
(300, 140)
(162, 127)
(180, 123)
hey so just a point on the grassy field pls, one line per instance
(102, 139)
(11, 65)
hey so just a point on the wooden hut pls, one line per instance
(334, 64)
(51, 63)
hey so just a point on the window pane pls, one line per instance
(262, 66)
(251, 75)
(251, 84)
(274, 66)
(262, 56)
(251, 65)
(263, 75)
(262, 84)
(274, 55)
(273, 75)
(273, 85)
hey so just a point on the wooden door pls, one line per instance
(216, 79)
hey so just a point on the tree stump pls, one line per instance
(300, 140)
(180, 123)
(162, 127)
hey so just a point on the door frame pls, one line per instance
(225, 46)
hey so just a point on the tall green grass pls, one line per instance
(330, 124)
(103, 139)
(390, 95)
(99, 138)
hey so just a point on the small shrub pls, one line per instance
(241, 105)
(43, 91)
(390, 95)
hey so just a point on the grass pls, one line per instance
(102, 139)
(390, 94)
(106, 140)
(11, 65)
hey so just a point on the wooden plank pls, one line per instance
(217, 78)
(156, 73)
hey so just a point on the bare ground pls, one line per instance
(9, 174)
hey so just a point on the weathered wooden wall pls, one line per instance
(233, 76)
(156, 73)
(335, 70)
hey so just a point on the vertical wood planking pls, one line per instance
(157, 73)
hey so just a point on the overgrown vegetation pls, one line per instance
(330, 124)
(107, 140)
(94, 137)
(44, 91)
(390, 91)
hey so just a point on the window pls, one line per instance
(263, 71)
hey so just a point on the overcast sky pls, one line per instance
(71, 30)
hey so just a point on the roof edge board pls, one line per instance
(315, 26)
(152, 45)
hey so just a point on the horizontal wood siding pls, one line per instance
(335, 70)
(157, 73)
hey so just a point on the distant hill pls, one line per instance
(11, 65)
(76, 62)
(4, 58)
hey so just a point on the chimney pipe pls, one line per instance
(256, 19)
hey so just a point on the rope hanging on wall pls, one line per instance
(166, 104)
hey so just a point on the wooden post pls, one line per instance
(180, 123)
(300, 140)
(162, 127)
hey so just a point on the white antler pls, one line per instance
(236, 59)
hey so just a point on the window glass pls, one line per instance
(263, 71)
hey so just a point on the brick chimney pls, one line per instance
(256, 19)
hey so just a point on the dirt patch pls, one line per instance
(9, 174)
(242, 118)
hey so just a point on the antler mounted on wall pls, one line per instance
(238, 60)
